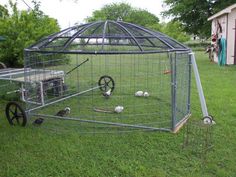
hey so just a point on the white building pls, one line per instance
(224, 26)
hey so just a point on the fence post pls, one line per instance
(173, 90)
(189, 83)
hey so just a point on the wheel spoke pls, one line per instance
(17, 119)
(19, 114)
(15, 110)
(107, 80)
(11, 111)
(104, 79)
(13, 118)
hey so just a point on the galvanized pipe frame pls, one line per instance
(103, 122)
(128, 29)
(199, 85)
(179, 109)
(61, 99)
(104, 52)
(174, 123)
(173, 90)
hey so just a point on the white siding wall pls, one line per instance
(231, 37)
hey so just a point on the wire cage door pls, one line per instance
(181, 87)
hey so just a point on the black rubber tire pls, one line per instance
(15, 114)
(105, 83)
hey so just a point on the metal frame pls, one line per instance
(199, 86)
(103, 122)
(175, 125)
(173, 90)
(61, 99)
(136, 35)
(15, 75)
(15, 72)
(43, 45)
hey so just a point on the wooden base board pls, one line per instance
(181, 123)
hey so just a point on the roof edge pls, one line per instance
(227, 10)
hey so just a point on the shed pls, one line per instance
(223, 32)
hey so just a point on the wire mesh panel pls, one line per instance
(181, 83)
(139, 83)
(11, 83)
(54, 85)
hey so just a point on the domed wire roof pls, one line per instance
(107, 37)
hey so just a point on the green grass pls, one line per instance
(61, 151)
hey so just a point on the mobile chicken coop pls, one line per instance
(108, 73)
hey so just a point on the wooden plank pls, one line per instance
(39, 77)
(11, 74)
(10, 71)
(180, 124)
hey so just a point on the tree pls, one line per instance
(193, 14)
(142, 17)
(175, 30)
(21, 29)
(3, 12)
(124, 12)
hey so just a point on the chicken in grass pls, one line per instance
(146, 94)
(107, 94)
(63, 112)
(38, 121)
(139, 93)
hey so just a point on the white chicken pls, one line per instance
(146, 94)
(118, 109)
(107, 94)
(139, 93)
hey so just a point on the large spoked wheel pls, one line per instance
(106, 83)
(15, 114)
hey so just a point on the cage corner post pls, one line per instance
(173, 90)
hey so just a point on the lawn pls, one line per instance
(61, 151)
